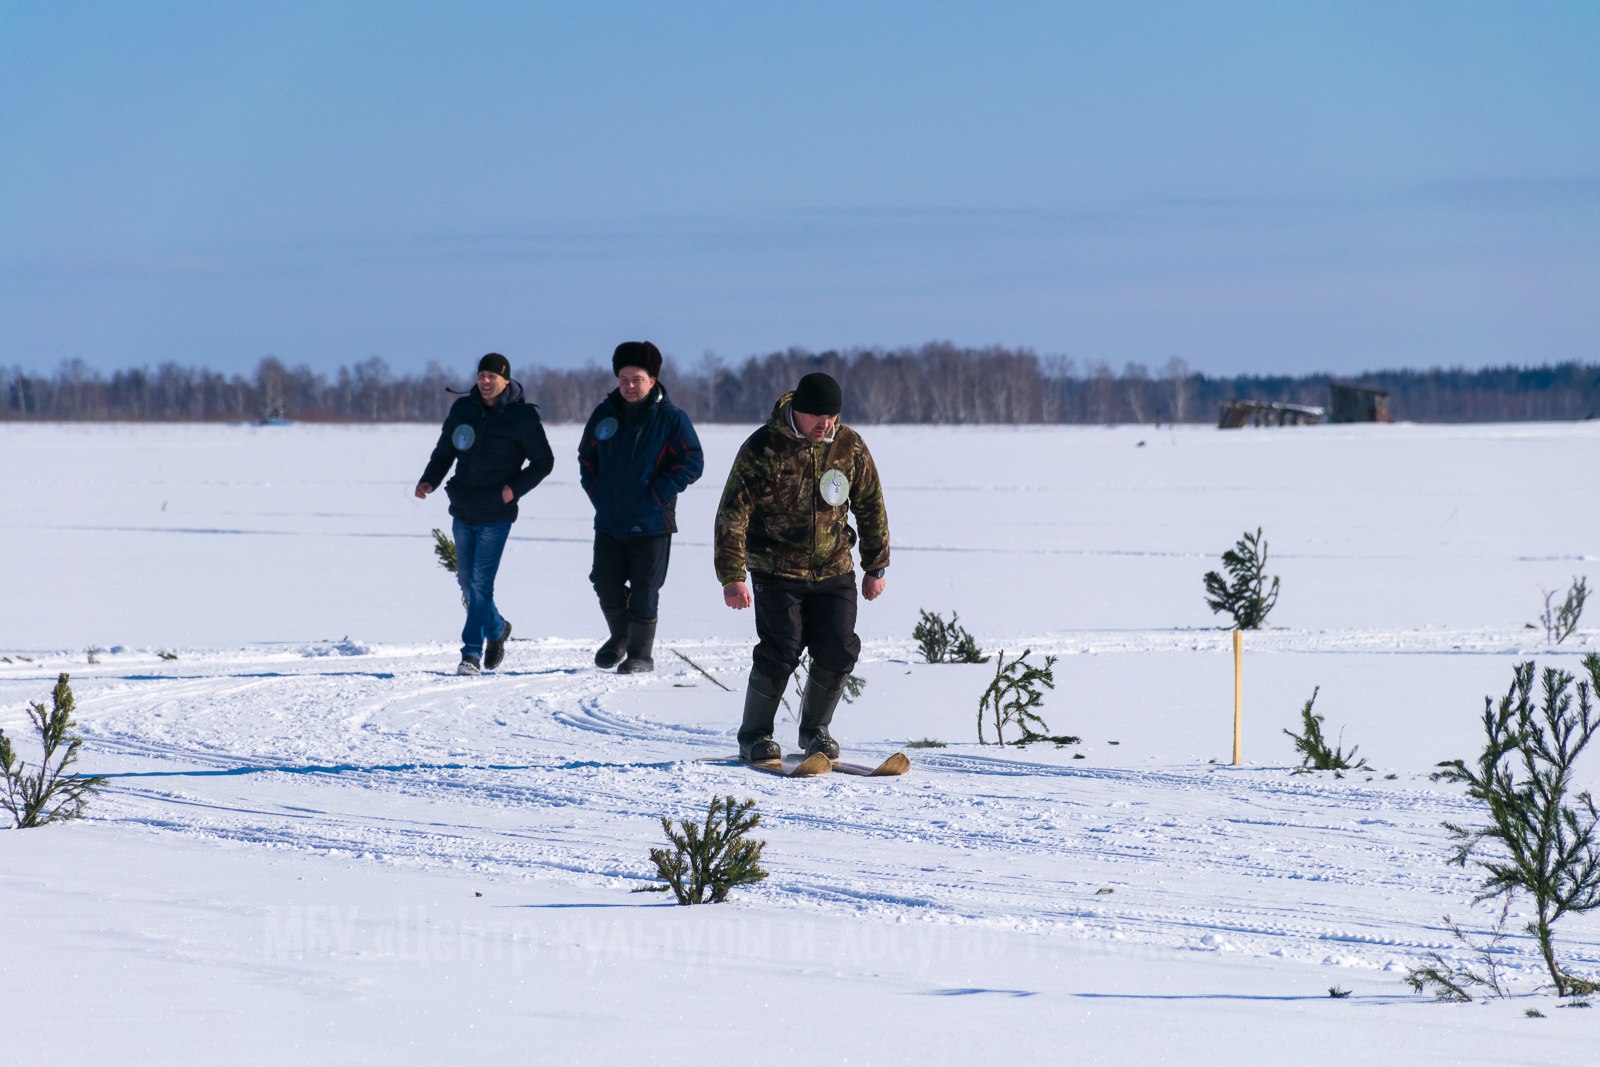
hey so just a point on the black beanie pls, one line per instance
(817, 394)
(641, 354)
(497, 363)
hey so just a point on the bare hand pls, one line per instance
(506, 495)
(872, 588)
(423, 489)
(737, 595)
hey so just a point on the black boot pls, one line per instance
(494, 651)
(641, 640)
(609, 654)
(823, 689)
(761, 698)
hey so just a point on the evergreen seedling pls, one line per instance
(853, 684)
(1249, 596)
(1559, 622)
(1540, 835)
(1315, 753)
(946, 642)
(50, 794)
(710, 857)
(444, 547)
(1013, 695)
(1454, 982)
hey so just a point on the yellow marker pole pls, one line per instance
(1238, 691)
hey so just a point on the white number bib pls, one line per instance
(834, 487)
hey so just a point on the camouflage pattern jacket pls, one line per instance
(784, 509)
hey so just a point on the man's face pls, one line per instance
(490, 384)
(634, 384)
(814, 428)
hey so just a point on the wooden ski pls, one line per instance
(795, 766)
(896, 764)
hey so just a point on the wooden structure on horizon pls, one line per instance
(1347, 403)
(1357, 403)
(1239, 413)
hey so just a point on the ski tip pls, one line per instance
(895, 764)
(811, 766)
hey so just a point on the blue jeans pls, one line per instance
(478, 551)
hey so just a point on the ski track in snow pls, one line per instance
(384, 754)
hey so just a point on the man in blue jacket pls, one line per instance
(497, 443)
(637, 454)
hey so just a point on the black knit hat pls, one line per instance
(641, 354)
(497, 363)
(817, 394)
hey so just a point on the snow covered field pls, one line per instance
(319, 845)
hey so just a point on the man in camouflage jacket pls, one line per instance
(784, 516)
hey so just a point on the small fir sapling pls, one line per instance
(1315, 753)
(1249, 596)
(946, 642)
(1540, 836)
(853, 684)
(1012, 697)
(444, 547)
(1454, 982)
(52, 793)
(1560, 621)
(711, 857)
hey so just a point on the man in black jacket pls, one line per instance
(638, 452)
(497, 443)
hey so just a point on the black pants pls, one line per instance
(818, 617)
(628, 575)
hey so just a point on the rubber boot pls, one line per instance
(823, 690)
(609, 654)
(641, 641)
(761, 698)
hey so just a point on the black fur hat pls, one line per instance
(641, 354)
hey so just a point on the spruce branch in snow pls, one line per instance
(1454, 982)
(1561, 621)
(853, 685)
(1249, 596)
(1013, 695)
(1540, 838)
(444, 547)
(711, 857)
(1315, 753)
(945, 642)
(50, 794)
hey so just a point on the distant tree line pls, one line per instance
(936, 383)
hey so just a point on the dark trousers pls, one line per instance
(628, 575)
(818, 617)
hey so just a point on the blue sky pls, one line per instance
(1248, 187)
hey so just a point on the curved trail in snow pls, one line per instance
(552, 769)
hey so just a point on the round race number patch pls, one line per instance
(834, 487)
